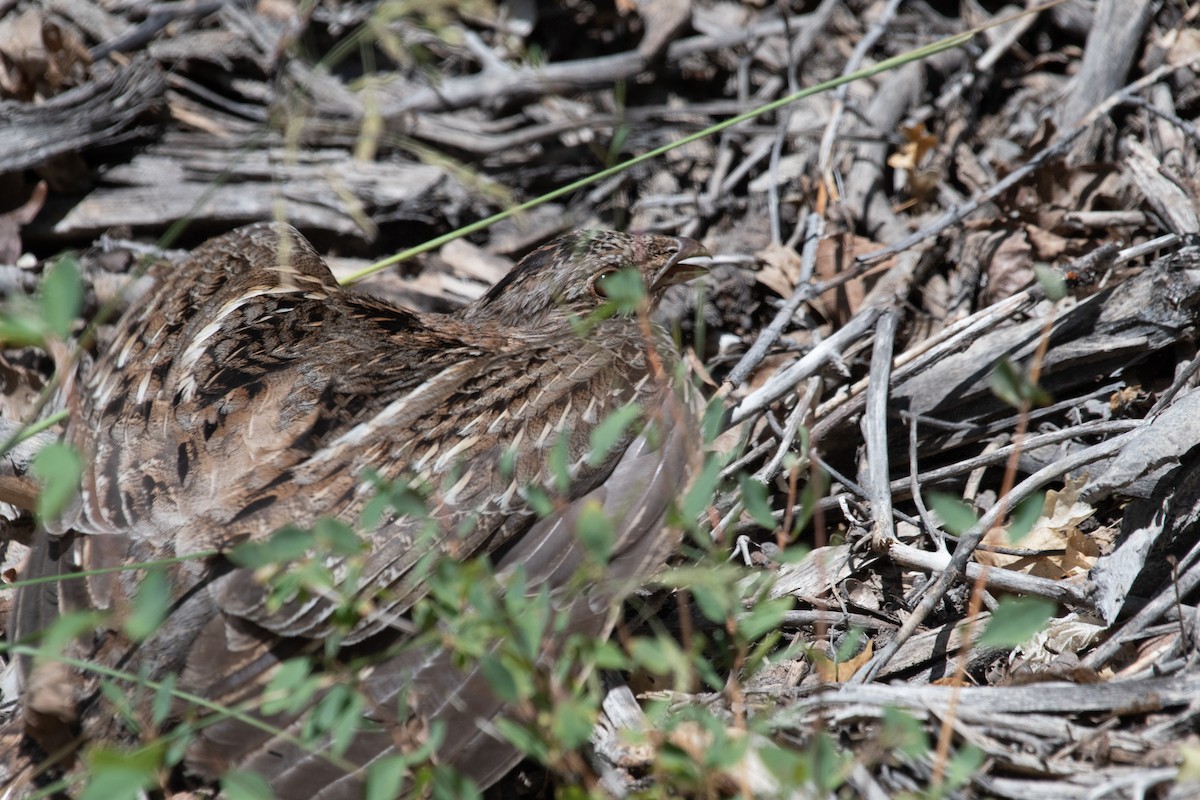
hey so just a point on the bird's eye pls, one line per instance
(600, 281)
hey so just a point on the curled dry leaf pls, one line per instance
(1070, 634)
(836, 254)
(841, 671)
(920, 183)
(780, 269)
(39, 57)
(1011, 267)
(1069, 552)
(12, 221)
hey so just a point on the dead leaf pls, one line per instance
(919, 181)
(1048, 246)
(781, 269)
(1071, 634)
(39, 57)
(918, 143)
(1070, 553)
(663, 20)
(12, 221)
(19, 389)
(1122, 399)
(842, 670)
(1010, 268)
(835, 255)
(1184, 44)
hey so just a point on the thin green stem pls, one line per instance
(188, 697)
(107, 571)
(942, 45)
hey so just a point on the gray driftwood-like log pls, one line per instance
(111, 108)
(1090, 341)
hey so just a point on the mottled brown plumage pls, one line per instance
(251, 391)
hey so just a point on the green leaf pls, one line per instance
(337, 538)
(754, 497)
(121, 774)
(610, 431)
(163, 700)
(702, 491)
(789, 767)
(560, 468)
(1007, 383)
(764, 617)
(716, 604)
(814, 490)
(499, 678)
(291, 687)
(595, 531)
(150, 606)
(120, 699)
(963, 766)
(827, 764)
(767, 646)
(286, 544)
(450, 784)
(66, 629)
(348, 721)
(623, 289)
(1189, 765)
(1052, 281)
(339, 714)
(957, 516)
(538, 501)
(59, 468)
(508, 462)
(385, 777)
(656, 655)
(1015, 620)
(530, 617)
(522, 738)
(850, 645)
(607, 655)
(1027, 513)
(1014, 387)
(21, 324)
(571, 723)
(62, 296)
(714, 419)
(904, 732)
(794, 554)
(245, 785)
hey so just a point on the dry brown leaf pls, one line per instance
(842, 670)
(918, 143)
(39, 57)
(919, 182)
(1048, 246)
(835, 254)
(781, 269)
(12, 221)
(1184, 45)
(1010, 268)
(1071, 634)
(19, 389)
(1057, 530)
(1122, 399)
(663, 21)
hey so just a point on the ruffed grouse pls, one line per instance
(251, 391)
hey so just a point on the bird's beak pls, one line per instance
(691, 260)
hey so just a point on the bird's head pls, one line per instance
(579, 273)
